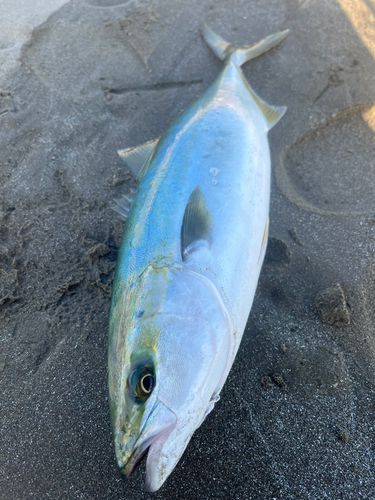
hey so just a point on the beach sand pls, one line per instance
(81, 80)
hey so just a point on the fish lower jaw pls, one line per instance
(134, 460)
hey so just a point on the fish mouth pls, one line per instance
(135, 460)
(161, 425)
(140, 452)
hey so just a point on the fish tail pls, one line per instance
(239, 55)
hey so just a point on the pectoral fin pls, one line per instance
(196, 225)
(136, 158)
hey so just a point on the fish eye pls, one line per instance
(141, 382)
(146, 384)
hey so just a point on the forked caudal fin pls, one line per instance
(239, 55)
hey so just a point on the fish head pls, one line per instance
(169, 353)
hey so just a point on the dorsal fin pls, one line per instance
(136, 158)
(196, 224)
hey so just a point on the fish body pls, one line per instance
(188, 265)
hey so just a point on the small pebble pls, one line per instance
(265, 381)
(343, 436)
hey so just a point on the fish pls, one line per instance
(188, 265)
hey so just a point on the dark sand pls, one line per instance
(296, 417)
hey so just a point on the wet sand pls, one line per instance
(81, 80)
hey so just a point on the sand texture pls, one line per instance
(82, 79)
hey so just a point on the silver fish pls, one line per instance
(189, 263)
